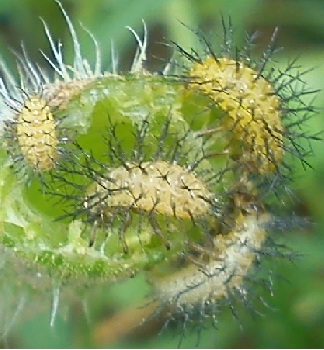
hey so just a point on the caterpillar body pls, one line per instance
(36, 134)
(252, 107)
(151, 189)
(159, 187)
(229, 264)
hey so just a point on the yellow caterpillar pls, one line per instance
(36, 134)
(253, 111)
(158, 187)
(152, 188)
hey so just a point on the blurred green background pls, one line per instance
(298, 316)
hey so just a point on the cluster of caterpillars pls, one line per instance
(173, 181)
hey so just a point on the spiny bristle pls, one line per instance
(67, 80)
(81, 68)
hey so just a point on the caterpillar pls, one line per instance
(262, 107)
(152, 189)
(36, 134)
(158, 187)
(229, 264)
(252, 107)
(166, 185)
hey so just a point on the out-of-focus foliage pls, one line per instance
(298, 299)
